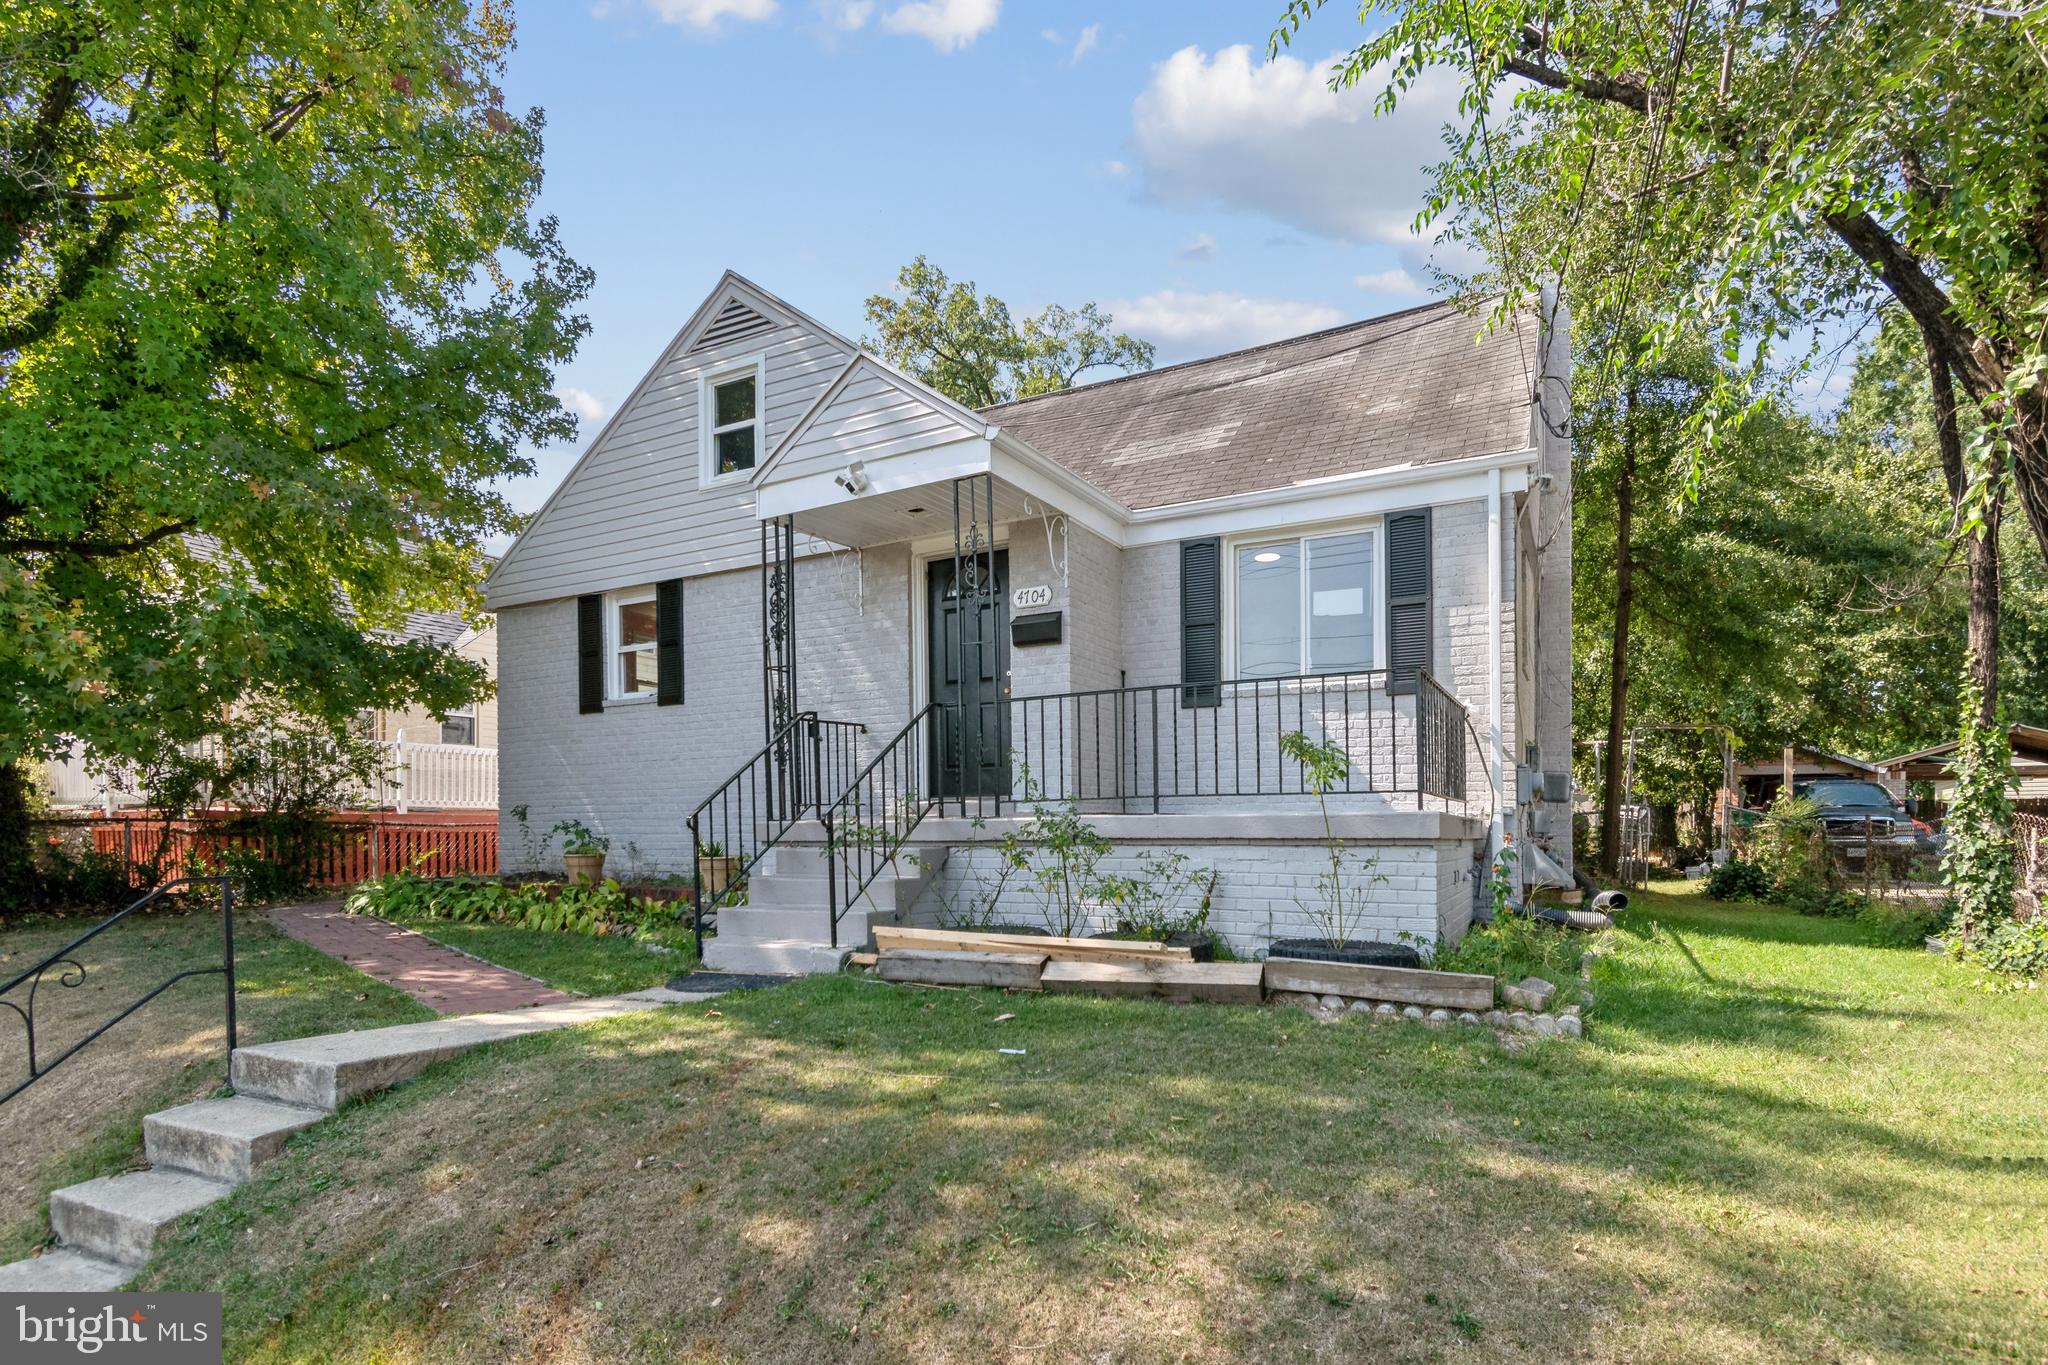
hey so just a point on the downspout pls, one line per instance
(1496, 719)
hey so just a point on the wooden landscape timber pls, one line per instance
(1223, 983)
(890, 939)
(1397, 985)
(932, 967)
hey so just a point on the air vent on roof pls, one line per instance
(735, 322)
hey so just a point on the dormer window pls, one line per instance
(732, 426)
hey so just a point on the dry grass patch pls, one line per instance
(1743, 1163)
(85, 1118)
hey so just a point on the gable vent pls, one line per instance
(735, 322)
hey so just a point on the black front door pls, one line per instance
(968, 679)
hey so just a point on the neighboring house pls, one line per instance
(1126, 594)
(2029, 768)
(1759, 779)
(437, 762)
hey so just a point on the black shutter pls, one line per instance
(590, 653)
(1408, 616)
(668, 642)
(1201, 621)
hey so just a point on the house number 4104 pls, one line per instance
(1039, 595)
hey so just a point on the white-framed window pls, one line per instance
(630, 635)
(459, 727)
(734, 433)
(1306, 603)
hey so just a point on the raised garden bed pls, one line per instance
(1363, 952)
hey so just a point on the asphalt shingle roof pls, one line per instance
(1410, 388)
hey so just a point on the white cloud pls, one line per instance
(1194, 323)
(1084, 44)
(1203, 248)
(1272, 137)
(1116, 168)
(704, 15)
(949, 25)
(845, 16)
(582, 402)
(1397, 282)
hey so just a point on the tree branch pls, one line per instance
(93, 549)
(72, 278)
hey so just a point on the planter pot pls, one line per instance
(1200, 945)
(1363, 952)
(716, 874)
(587, 868)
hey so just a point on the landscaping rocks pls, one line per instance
(1534, 993)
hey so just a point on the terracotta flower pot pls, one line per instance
(587, 868)
(716, 874)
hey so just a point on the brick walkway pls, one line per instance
(438, 977)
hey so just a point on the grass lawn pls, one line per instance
(1778, 1143)
(85, 1118)
(610, 965)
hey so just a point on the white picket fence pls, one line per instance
(443, 776)
(419, 776)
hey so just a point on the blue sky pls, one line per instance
(1147, 158)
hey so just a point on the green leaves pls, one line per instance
(1980, 857)
(280, 321)
(949, 336)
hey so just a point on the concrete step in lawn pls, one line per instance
(62, 1270)
(329, 1071)
(117, 1217)
(199, 1152)
(223, 1139)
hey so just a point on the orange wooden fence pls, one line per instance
(363, 844)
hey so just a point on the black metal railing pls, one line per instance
(71, 975)
(1128, 749)
(1138, 748)
(1441, 728)
(866, 827)
(806, 762)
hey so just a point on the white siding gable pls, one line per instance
(870, 413)
(631, 510)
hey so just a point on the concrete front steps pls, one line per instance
(199, 1152)
(785, 927)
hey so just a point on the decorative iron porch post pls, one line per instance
(974, 586)
(778, 659)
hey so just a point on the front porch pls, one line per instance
(1029, 611)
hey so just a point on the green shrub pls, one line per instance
(1907, 924)
(2012, 949)
(549, 907)
(1515, 946)
(1792, 850)
(1166, 897)
(1739, 880)
(1829, 904)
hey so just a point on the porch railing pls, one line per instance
(793, 774)
(867, 826)
(1142, 749)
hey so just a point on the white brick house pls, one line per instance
(790, 595)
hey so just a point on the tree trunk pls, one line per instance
(1982, 549)
(1624, 603)
(17, 855)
